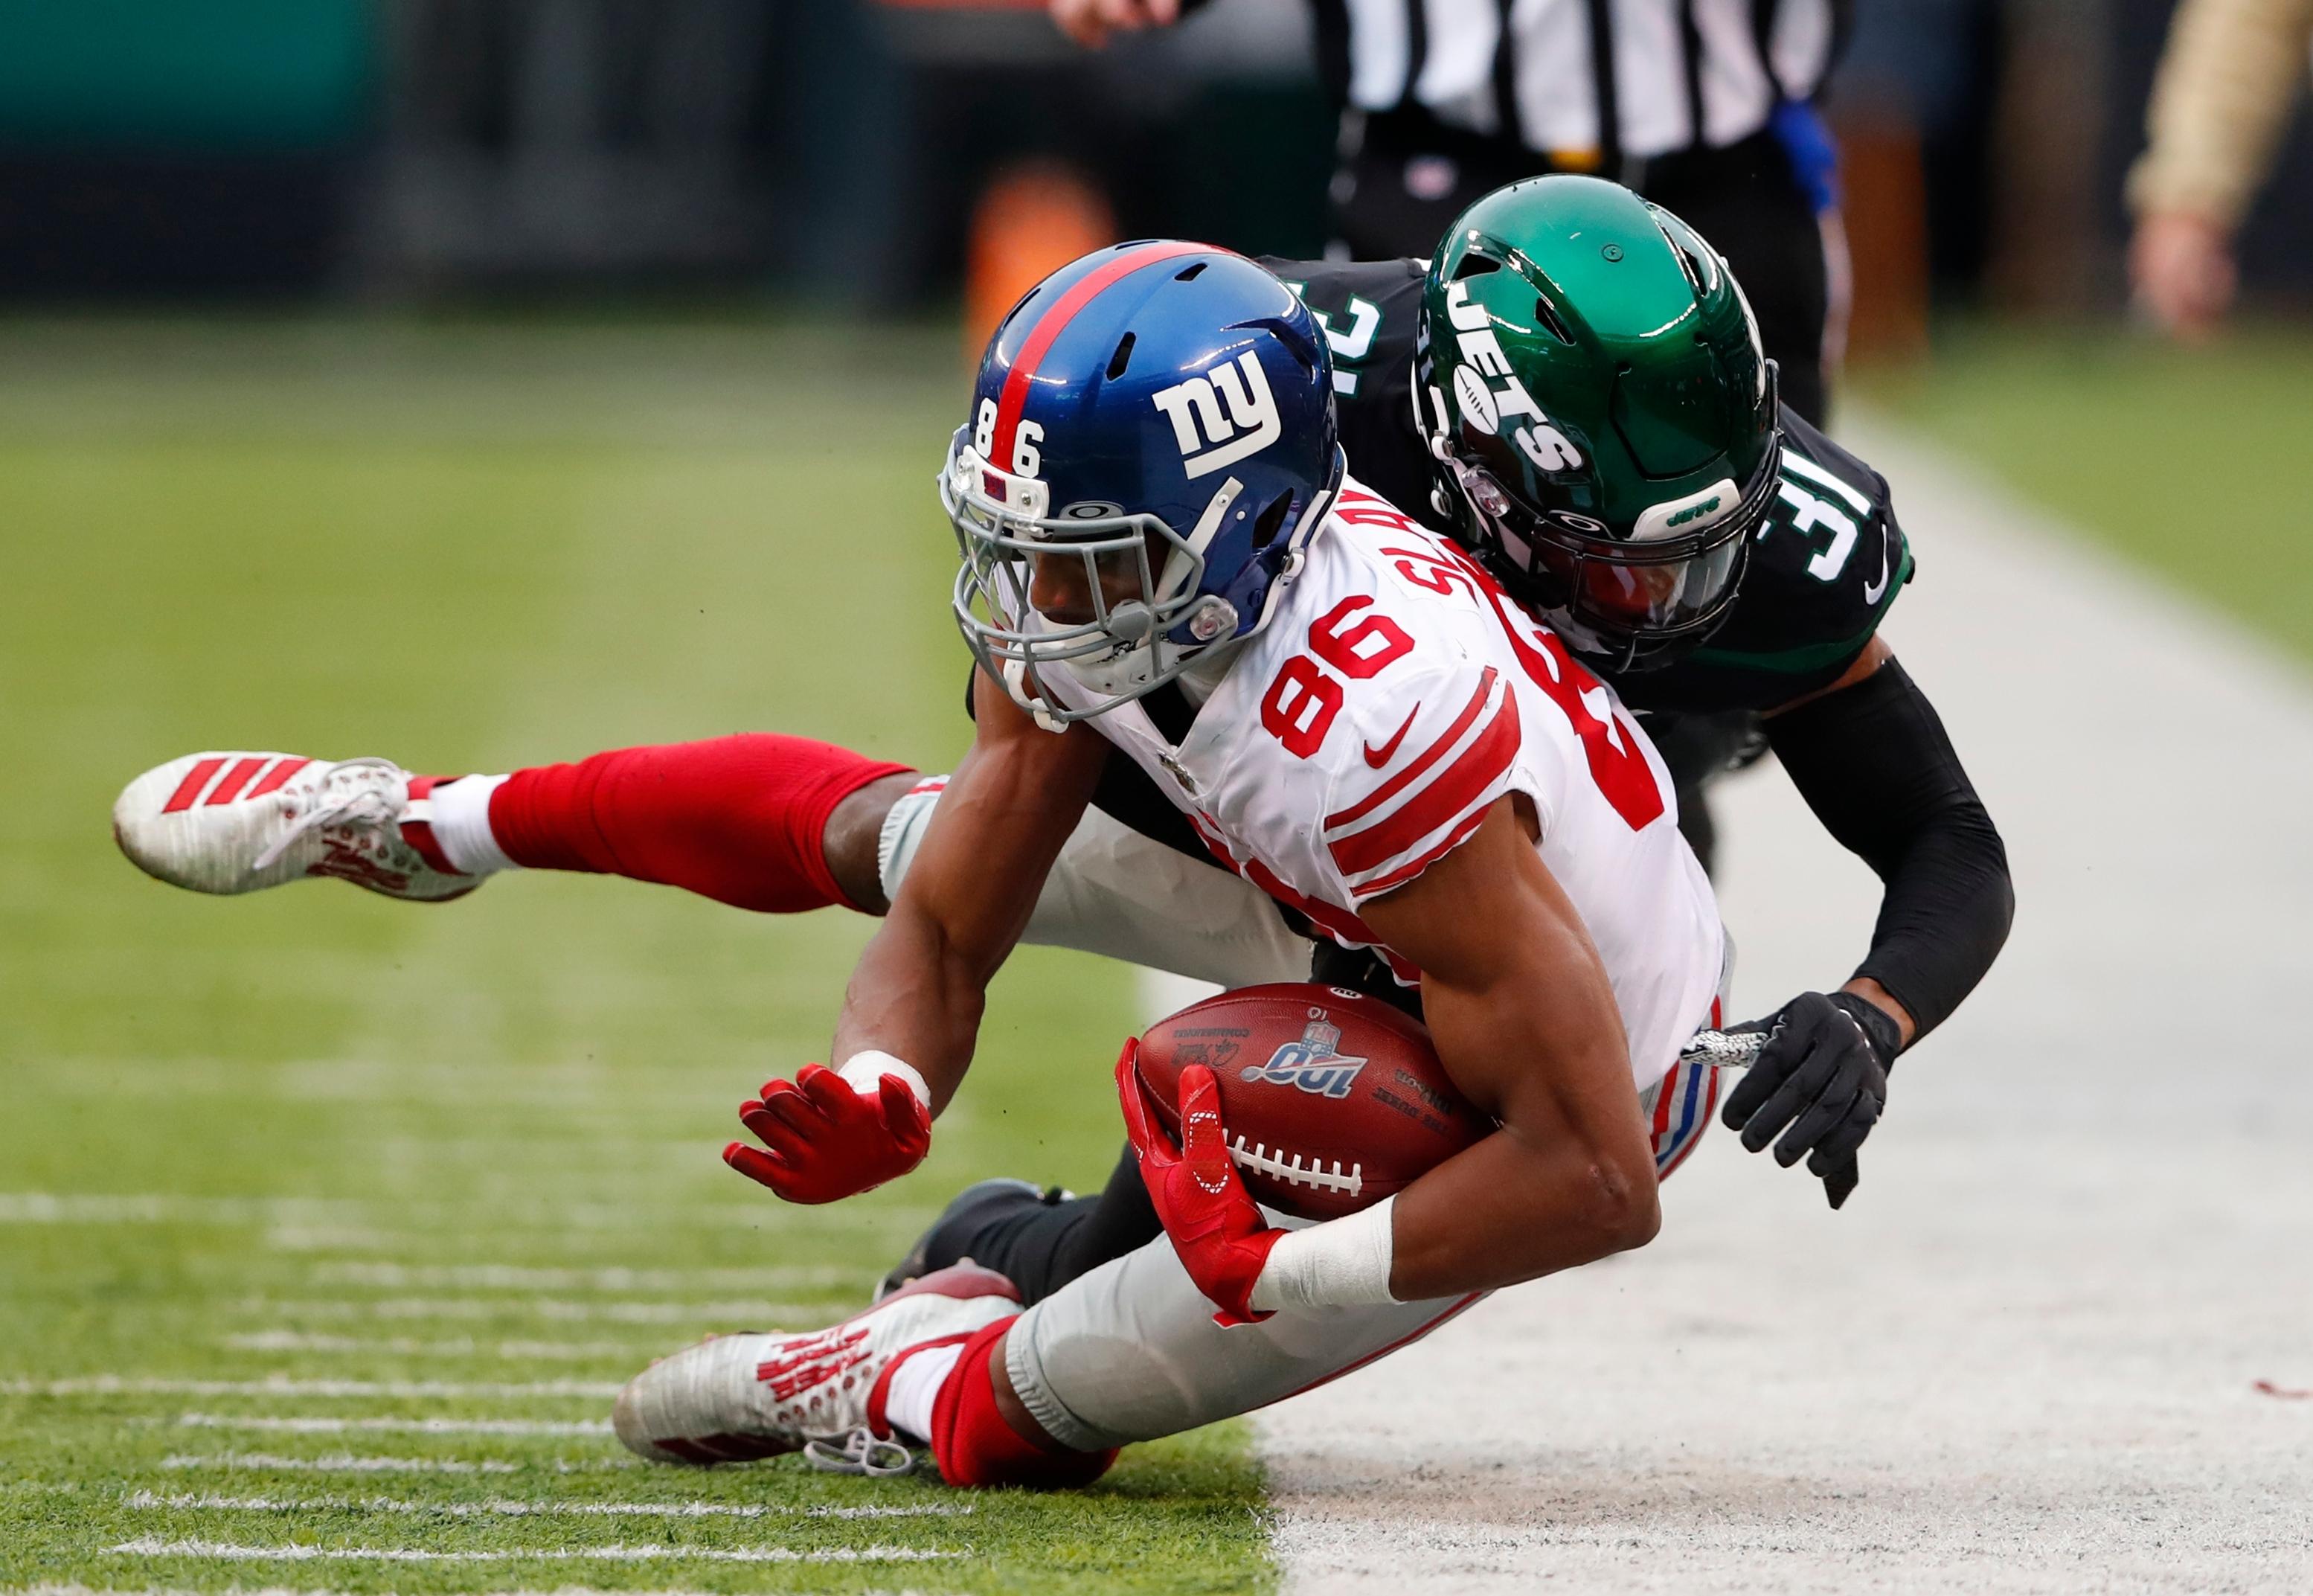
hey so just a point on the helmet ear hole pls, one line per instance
(1272, 521)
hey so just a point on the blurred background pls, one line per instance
(837, 152)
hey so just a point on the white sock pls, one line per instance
(462, 825)
(915, 1386)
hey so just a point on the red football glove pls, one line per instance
(1223, 1241)
(826, 1141)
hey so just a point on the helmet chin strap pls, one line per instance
(1016, 686)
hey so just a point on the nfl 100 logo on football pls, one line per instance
(1315, 1063)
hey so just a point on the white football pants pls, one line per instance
(1114, 892)
(1130, 1350)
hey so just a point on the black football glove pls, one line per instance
(1822, 1072)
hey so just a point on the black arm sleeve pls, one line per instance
(1873, 763)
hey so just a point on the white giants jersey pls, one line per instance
(1394, 695)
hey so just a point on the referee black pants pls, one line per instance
(1407, 183)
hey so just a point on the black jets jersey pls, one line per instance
(1825, 566)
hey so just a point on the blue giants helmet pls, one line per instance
(1162, 412)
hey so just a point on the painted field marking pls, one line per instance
(147, 1208)
(756, 1315)
(153, 1546)
(306, 1425)
(282, 1385)
(55, 1589)
(148, 1500)
(301, 1341)
(338, 1463)
(520, 1277)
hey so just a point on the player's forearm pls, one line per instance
(1875, 764)
(1512, 1209)
(917, 997)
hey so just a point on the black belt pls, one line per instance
(1409, 132)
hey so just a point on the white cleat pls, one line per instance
(235, 823)
(734, 1397)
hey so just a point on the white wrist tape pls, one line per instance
(1343, 1263)
(866, 1072)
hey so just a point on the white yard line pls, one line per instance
(338, 1463)
(78, 1590)
(404, 1347)
(2023, 1357)
(149, 1500)
(516, 1277)
(280, 1385)
(378, 1220)
(309, 1425)
(153, 1546)
(748, 1315)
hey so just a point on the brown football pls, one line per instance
(1332, 1100)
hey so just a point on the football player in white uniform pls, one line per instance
(1161, 554)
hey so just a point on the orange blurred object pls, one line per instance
(1032, 220)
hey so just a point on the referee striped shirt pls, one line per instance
(1582, 80)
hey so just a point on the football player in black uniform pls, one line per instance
(1711, 554)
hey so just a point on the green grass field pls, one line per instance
(329, 1224)
(2196, 463)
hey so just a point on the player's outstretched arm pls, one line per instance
(1871, 758)
(912, 1011)
(1527, 1024)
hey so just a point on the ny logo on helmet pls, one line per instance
(1211, 439)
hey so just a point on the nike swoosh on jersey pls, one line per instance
(1378, 757)
(1871, 595)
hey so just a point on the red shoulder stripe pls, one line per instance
(1408, 871)
(1421, 762)
(1440, 804)
(1049, 325)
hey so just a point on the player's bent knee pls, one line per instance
(976, 1444)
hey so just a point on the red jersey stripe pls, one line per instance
(243, 771)
(1421, 762)
(1407, 872)
(1445, 800)
(278, 777)
(1053, 322)
(190, 787)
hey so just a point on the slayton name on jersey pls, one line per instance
(1394, 698)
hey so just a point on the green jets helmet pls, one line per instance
(1589, 381)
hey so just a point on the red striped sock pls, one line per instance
(975, 1444)
(739, 819)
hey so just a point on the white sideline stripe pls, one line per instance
(145, 1208)
(466, 1510)
(752, 1315)
(279, 1385)
(338, 1463)
(283, 1340)
(518, 1277)
(153, 1546)
(53, 1590)
(304, 1425)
